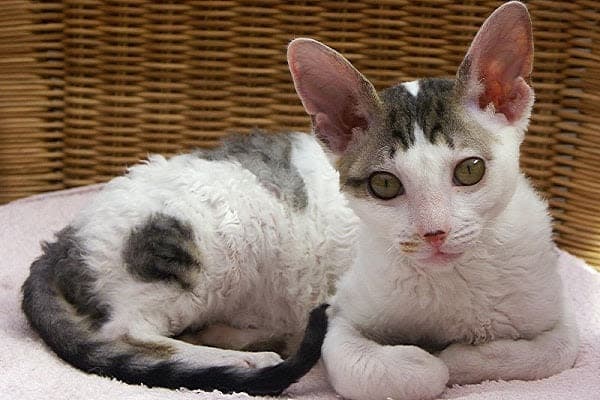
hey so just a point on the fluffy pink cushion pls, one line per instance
(29, 370)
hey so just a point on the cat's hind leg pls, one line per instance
(200, 356)
(156, 360)
(229, 337)
(546, 354)
(360, 369)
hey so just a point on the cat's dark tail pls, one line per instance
(72, 337)
(272, 380)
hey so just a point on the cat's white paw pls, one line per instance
(454, 356)
(259, 359)
(397, 372)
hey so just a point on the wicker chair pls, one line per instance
(90, 86)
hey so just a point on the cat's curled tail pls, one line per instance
(72, 338)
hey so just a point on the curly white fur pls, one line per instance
(263, 266)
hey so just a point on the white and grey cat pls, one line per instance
(448, 270)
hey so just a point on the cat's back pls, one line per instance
(246, 234)
(285, 174)
(255, 192)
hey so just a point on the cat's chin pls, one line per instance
(440, 258)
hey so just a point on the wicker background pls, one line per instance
(89, 86)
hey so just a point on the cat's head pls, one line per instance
(426, 164)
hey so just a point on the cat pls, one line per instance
(405, 210)
(455, 279)
(179, 267)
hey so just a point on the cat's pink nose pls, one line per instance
(436, 239)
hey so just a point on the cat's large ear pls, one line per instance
(340, 100)
(494, 75)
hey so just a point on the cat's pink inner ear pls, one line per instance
(499, 62)
(340, 101)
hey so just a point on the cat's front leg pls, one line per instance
(546, 354)
(359, 368)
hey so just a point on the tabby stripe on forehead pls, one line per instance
(400, 110)
(433, 110)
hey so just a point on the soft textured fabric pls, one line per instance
(29, 370)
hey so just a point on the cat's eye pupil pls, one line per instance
(384, 185)
(469, 171)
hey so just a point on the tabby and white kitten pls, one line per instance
(452, 273)
(179, 272)
(455, 279)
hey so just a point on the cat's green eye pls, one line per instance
(385, 186)
(468, 172)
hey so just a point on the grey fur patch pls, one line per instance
(441, 116)
(162, 248)
(62, 269)
(268, 157)
(436, 110)
(399, 111)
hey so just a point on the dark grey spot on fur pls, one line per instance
(443, 119)
(162, 248)
(435, 112)
(267, 156)
(61, 272)
(399, 111)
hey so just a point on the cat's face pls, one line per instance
(426, 164)
(426, 176)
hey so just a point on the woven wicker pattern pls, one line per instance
(90, 86)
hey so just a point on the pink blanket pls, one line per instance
(29, 370)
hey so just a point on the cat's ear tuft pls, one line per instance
(340, 100)
(495, 72)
